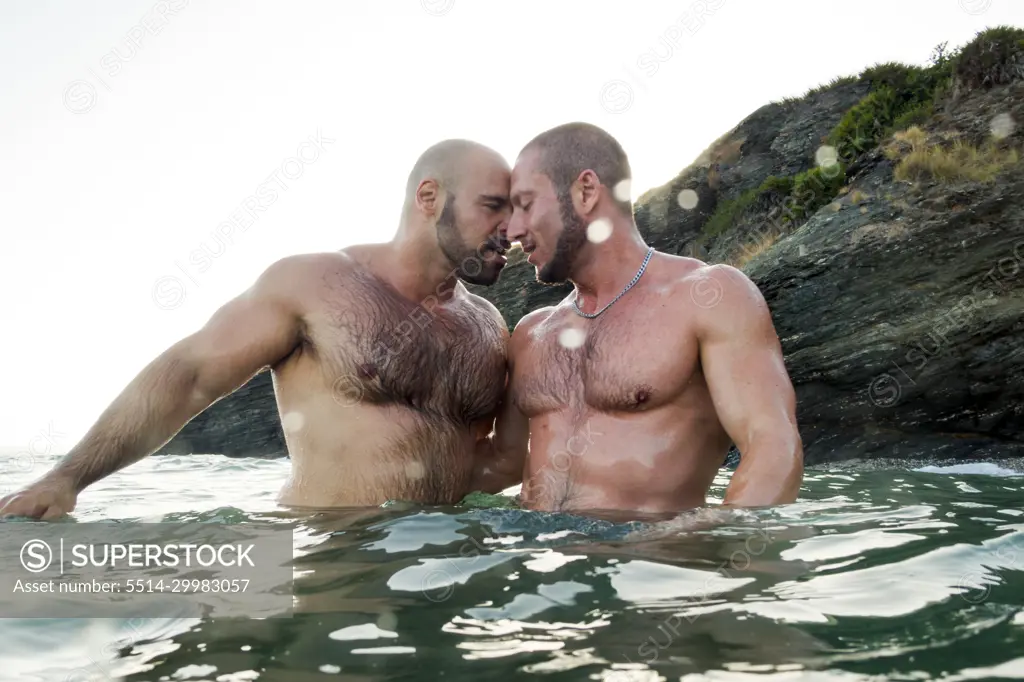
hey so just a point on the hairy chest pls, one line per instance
(447, 363)
(626, 363)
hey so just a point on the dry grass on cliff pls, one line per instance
(962, 161)
(922, 159)
(754, 248)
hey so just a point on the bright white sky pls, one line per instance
(111, 184)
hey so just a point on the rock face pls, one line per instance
(896, 283)
(779, 139)
(902, 316)
(244, 424)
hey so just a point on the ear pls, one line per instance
(586, 191)
(428, 197)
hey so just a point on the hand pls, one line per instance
(48, 498)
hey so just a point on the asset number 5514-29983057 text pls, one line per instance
(187, 585)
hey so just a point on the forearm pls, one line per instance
(147, 413)
(770, 470)
(491, 472)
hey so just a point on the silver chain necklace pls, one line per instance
(629, 286)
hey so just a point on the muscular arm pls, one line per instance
(254, 330)
(501, 458)
(753, 396)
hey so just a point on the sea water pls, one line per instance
(874, 574)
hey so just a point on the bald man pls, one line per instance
(387, 371)
(627, 395)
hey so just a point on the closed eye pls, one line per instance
(494, 203)
(523, 200)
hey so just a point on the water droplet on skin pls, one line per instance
(599, 230)
(623, 190)
(826, 156)
(293, 421)
(688, 199)
(1002, 126)
(572, 338)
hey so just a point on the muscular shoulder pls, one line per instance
(532, 319)
(294, 278)
(527, 323)
(487, 308)
(723, 299)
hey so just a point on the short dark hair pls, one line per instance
(569, 149)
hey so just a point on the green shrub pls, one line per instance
(994, 57)
(864, 124)
(813, 189)
(940, 55)
(913, 117)
(834, 83)
(803, 194)
(942, 61)
(900, 96)
(942, 89)
(728, 212)
(780, 184)
(891, 75)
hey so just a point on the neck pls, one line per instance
(417, 269)
(603, 270)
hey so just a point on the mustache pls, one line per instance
(496, 243)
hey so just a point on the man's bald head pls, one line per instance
(567, 150)
(447, 163)
(458, 189)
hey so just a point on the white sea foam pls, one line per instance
(973, 468)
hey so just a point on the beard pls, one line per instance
(473, 265)
(571, 240)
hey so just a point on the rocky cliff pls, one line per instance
(882, 216)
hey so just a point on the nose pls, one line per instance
(501, 238)
(515, 228)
